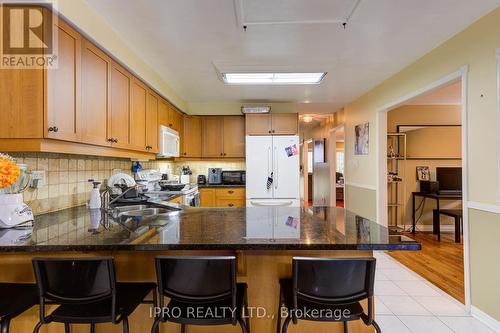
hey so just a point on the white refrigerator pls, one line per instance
(272, 171)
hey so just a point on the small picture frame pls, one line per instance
(423, 173)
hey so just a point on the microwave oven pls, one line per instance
(233, 177)
(169, 142)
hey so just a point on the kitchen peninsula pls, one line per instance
(263, 239)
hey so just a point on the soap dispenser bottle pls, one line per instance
(95, 195)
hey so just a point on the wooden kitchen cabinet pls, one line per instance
(174, 119)
(272, 124)
(119, 117)
(152, 127)
(22, 104)
(96, 69)
(64, 114)
(207, 197)
(191, 139)
(212, 136)
(223, 137)
(233, 136)
(285, 123)
(222, 197)
(138, 95)
(258, 124)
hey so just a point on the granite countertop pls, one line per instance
(218, 185)
(183, 228)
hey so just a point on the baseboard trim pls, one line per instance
(363, 186)
(485, 318)
(483, 207)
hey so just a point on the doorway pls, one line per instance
(450, 273)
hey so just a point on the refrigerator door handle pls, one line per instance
(276, 174)
(271, 204)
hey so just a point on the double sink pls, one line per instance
(142, 211)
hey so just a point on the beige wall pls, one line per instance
(476, 47)
(447, 147)
(91, 23)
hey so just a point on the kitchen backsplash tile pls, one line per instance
(67, 176)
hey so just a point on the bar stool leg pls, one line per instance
(125, 325)
(67, 328)
(346, 327)
(37, 327)
(285, 324)
(377, 328)
(243, 326)
(156, 326)
(5, 325)
(92, 328)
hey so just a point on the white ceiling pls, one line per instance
(185, 40)
(451, 94)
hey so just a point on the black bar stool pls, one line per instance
(203, 291)
(15, 298)
(86, 291)
(328, 290)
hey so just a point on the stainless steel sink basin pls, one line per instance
(145, 212)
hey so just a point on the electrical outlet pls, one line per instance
(38, 178)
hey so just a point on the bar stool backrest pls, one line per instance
(196, 279)
(334, 281)
(75, 280)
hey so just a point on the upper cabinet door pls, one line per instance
(234, 136)
(63, 95)
(96, 69)
(212, 137)
(258, 124)
(152, 127)
(191, 140)
(119, 117)
(175, 119)
(138, 115)
(163, 110)
(285, 123)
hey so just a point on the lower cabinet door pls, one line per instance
(229, 202)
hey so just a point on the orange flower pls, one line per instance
(9, 171)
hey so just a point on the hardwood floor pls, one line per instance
(439, 262)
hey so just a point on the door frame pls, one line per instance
(381, 156)
(333, 164)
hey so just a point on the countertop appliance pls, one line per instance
(214, 176)
(13, 211)
(169, 142)
(202, 180)
(272, 171)
(233, 177)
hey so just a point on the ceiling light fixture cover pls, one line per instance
(273, 78)
(307, 119)
(255, 109)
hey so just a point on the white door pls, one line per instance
(286, 167)
(259, 165)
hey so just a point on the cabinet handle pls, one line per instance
(169, 125)
(185, 154)
(270, 131)
(225, 154)
(273, 131)
(221, 154)
(230, 205)
(110, 140)
(115, 140)
(53, 129)
(230, 192)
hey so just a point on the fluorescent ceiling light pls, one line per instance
(273, 78)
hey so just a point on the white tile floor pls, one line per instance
(407, 303)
